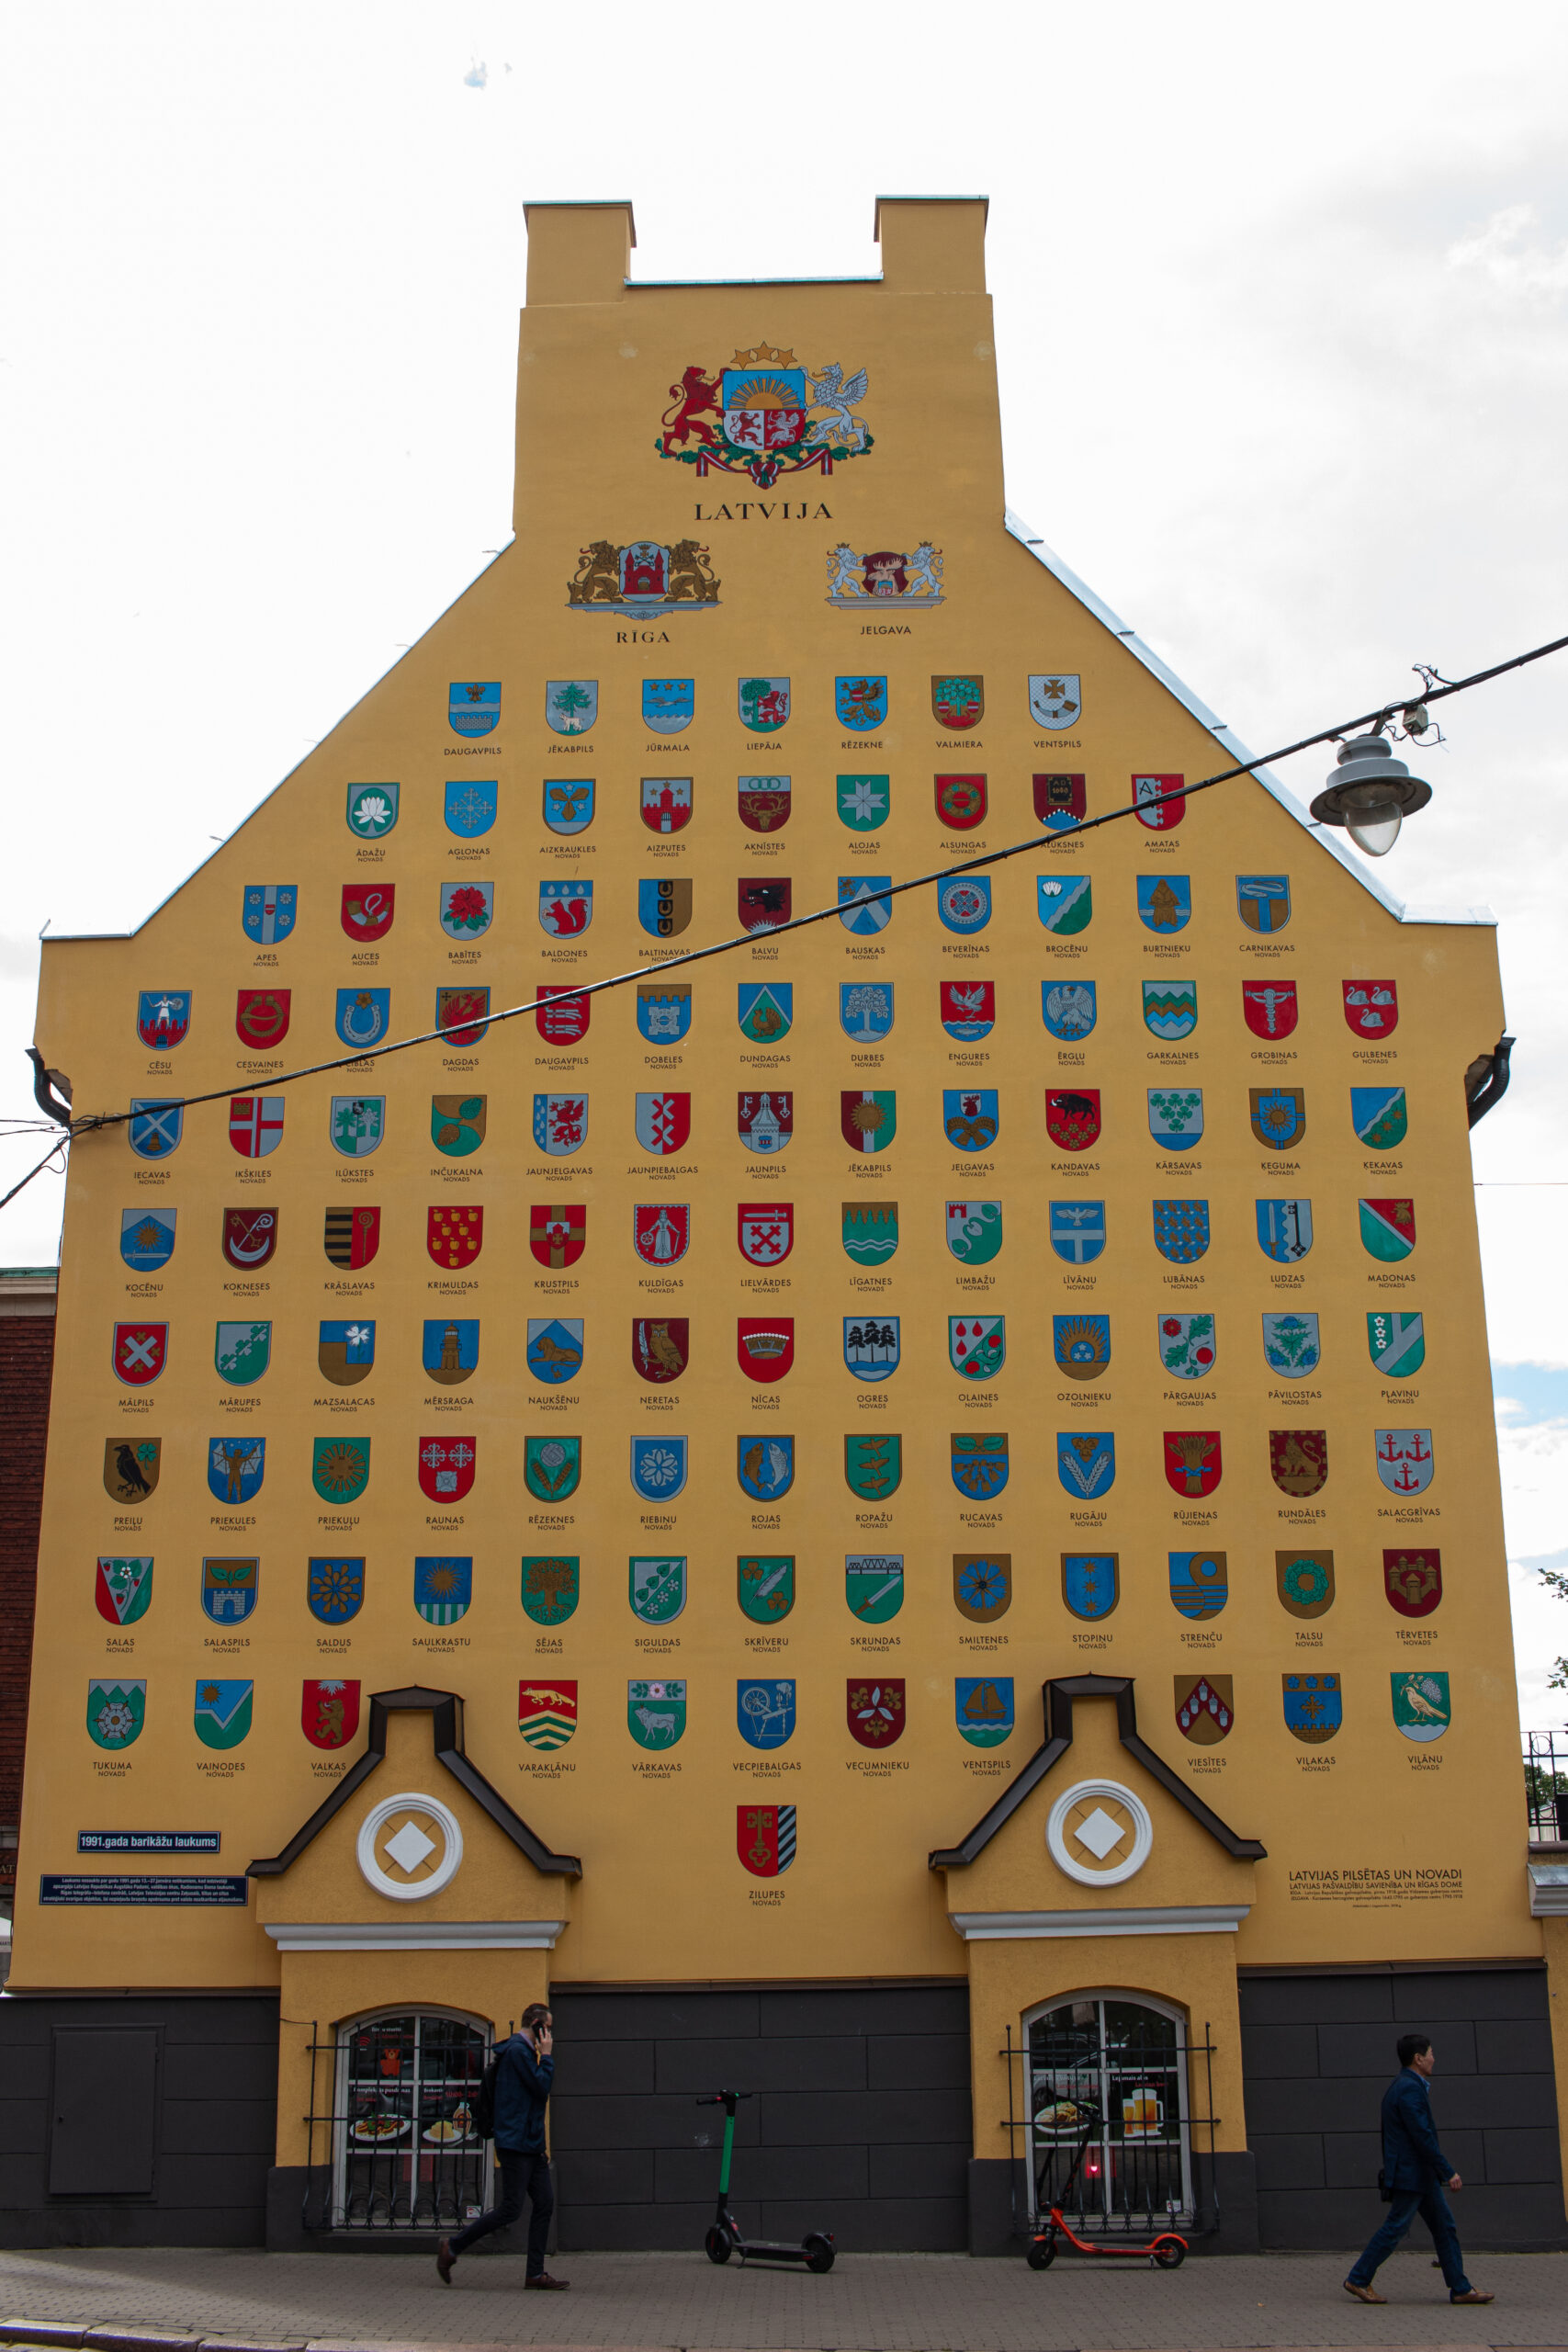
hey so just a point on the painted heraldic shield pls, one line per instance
(1193, 1463)
(1170, 1008)
(1279, 1115)
(865, 1009)
(371, 811)
(1404, 1460)
(115, 1713)
(1398, 1344)
(153, 1128)
(970, 1118)
(871, 1346)
(242, 1351)
(983, 1706)
(664, 804)
(663, 1123)
(1082, 1345)
(123, 1589)
(347, 1351)
(765, 1346)
(1085, 1461)
(664, 1011)
(1372, 1008)
(764, 1712)
(451, 1352)
(229, 1589)
(1263, 900)
(1314, 1706)
(1268, 1007)
(958, 703)
(859, 911)
(968, 1010)
(765, 1466)
(982, 1585)
(1187, 1345)
(960, 802)
(340, 1469)
(329, 1713)
(1165, 902)
(468, 909)
(250, 1236)
(1388, 1229)
(554, 1349)
(868, 1120)
(458, 1123)
(1292, 1347)
(1284, 1230)
(454, 1236)
(363, 1015)
(1200, 1584)
(976, 1345)
(860, 703)
(869, 1230)
(1298, 1460)
(1055, 699)
(1091, 1583)
(367, 914)
(566, 908)
(765, 1011)
(561, 1016)
(355, 1123)
(655, 1712)
(446, 1467)
(1380, 1117)
(442, 1588)
(658, 1589)
(131, 1467)
(668, 705)
(1304, 1581)
(1072, 1118)
(863, 802)
(462, 1014)
(468, 807)
(261, 1017)
(1158, 802)
(662, 1231)
(267, 910)
(764, 1838)
(560, 1124)
(1205, 1707)
(763, 802)
(546, 1713)
(1065, 902)
(1176, 1116)
(978, 1460)
(1412, 1580)
(1182, 1230)
(473, 707)
(764, 1122)
(255, 1123)
(552, 1466)
(335, 1589)
(764, 1231)
(1421, 1707)
(567, 804)
(874, 1711)
(1060, 801)
(1077, 1230)
(661, 1348)
(147, 1239)
(236, 1467)
(572, 705)
(874, 1467)
(964, 903)
(874, 1585)
(139, 1353)
(763, 704)
(974, 1231)
(765, 1587)
(551, 1585)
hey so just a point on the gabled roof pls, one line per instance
(1327, 836)
(446, 1712)
(1059, 1696)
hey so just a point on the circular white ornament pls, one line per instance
(1085, 1852)
(401, 1888)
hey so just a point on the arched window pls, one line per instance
(405, 2152)
(1108, 2132)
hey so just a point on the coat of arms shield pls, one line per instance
(1182, 1230)
(131, 1469)
(764, 1712)
(256, 1124)
(860, 910)
(968, 1010)
(329, 1712)
(664, 1011)
(362, 1017)
(560, 1124)
(874, 1465)
(657, 1589)
(552, 1466)
(1200, 1584)
(1314, 1706)
(1298, 1460)
(1279, 1115)
(865, 1011)
(1091, 1584)
(229, 1589)
(451, 1349)
(1077, 1230)
(346, 1351)
(655, 1712)
(1372, 1008)
(1082, 1345)
(763, 802)
(983, 1707)
(874, 1585)
(365, 914)
(982, 1585)
(340, 1469)
(974, 1231)
(1165, 902)
(958, 703)
(1379, 1116)
(153, 1128)
(551, 1585)
(765, 1587)
(335, 1589)
(473, 705)
(116, 1712)
(1284, 1230)
(442, 1588)
(1176, 1116)
(546, 1713)
(662, 1347)
(462, 1015)
(1398, 1344)
(863, 801)
(765, 1838)
(976, 1345)
(261, 1017)
(764, 1010)
(1263, 900)
(1422, 1709)
(664, 803)
(371, 810)
(763, 704)
(978, 1460)
(1304, 1582)
(566, 908)
(764, 1346)
(1412, 1579)
(869, 1230)
(1060, 801)
(1158, 802)
(765, 1231)
(446, 1467)
(236, 1467)
(469, 806)
(139, 1353)
(1270, 1008)
(1086, 1462)
(355, 1123)
(1205, 1707)
(960, 802)
(765, 1466)
(267, 910)
(1193, 1462)
(1072, 1118)
(871, 1346)
(662, 1231)
(868, 1119)
(860, 703)
(455, 1233)
(1170, 1008)
(765, 1122)
(1055, 699)
(567, 804)
(553, 1351)
(147, 1237)
(1388, 1229)
(1404, 1460)
(242, 1352)
(122, 1589)
(1065, 902)
(668, 705)
(572, 705)
(874, 1710)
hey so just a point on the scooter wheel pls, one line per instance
(1170, 2254)
(1042, 2252)
(819, 2251)
(716, 2245)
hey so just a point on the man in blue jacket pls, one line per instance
(525, 2069)
(1415, 2173)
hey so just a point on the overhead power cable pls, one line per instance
(1054, 838)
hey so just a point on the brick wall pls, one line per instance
(26, 1360)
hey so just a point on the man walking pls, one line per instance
(1414, 2172)
(524, 2070)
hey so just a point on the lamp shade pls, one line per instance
(1369, 793)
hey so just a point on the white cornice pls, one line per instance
(1178, 1919)
(415, 1935)
(1548, 1890)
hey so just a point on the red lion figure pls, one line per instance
(695, 396)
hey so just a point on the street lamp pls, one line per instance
(1371, 793)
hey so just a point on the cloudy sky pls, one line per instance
(1281, 306)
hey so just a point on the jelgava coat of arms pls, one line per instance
(764, 415)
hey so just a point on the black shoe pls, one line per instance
(445, 2258)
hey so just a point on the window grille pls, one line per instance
(1546, 1785)
(390, 2141)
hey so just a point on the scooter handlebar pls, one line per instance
(722, 2099)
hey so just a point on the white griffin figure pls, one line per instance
(843, 573)
(829, 390)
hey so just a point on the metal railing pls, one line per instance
(389, 2138)
(1546, 1784)
(1111, 2129)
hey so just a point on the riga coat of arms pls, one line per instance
(644, 577)
(770, 416)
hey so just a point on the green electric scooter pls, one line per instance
(724, 2236)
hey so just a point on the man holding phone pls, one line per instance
(1415, 2173)
(524, 2069)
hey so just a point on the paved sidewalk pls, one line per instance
(868, 2304)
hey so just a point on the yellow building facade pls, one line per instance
(878, 1516)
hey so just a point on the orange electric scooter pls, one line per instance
(1167, 2251)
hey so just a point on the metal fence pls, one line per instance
(391, 2143)
(1116, 2110)
(1546, 1783)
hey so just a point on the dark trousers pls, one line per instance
(1403, 2206)
(521, 2175)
